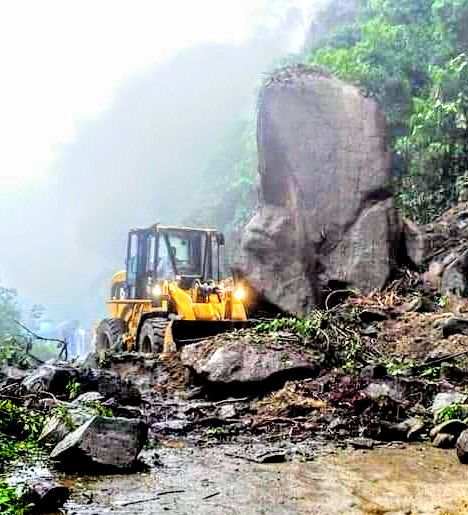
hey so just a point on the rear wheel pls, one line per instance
(152, 333)
(110, 335)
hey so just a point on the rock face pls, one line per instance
(326, 214)
(243, 363)
(102, 442)
(462, 447)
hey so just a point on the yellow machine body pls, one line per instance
(224, 308)
(192, 300)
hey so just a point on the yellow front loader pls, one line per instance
(172, 291)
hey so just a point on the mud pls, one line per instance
(408, 480)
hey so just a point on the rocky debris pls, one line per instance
(244, 361)
(445, 435)
(59, 425)
(455, 326)
(442, 248)
(462, 447)
(299, 243)
(361, 443)
(444, 441)
(88, 397)
(110, 385)
(46, 496)
(57, 377)
(51, 377)
(102, 442)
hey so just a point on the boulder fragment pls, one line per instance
(47, 496)
(462, 447)
(104, 442)
(51, 377)
(455, 326)
(244, 363)
(451, 428)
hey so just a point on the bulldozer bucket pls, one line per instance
(190, 331)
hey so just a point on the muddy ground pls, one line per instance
(403, 479)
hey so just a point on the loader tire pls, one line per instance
(151, 339)
(109, 335)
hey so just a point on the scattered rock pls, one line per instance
(452, 427)
(47, 496)
(227, 411)
(462, 447)
(444, 441)
(110, 385)
(369, 316)
(454, 277)
(362, 443)
(416, 429)
(58, 426)
(88, 397)
(455, 326)
(417, 243)
(51, 377)
(382, 390)
(172, 427)
(374, 372)
(103, 442)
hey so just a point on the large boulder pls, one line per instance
(326, 215)
(103, 442)
(244, 363)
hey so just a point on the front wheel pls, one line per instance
(151, 339)
(109, 335)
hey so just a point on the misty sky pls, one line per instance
(108, 111)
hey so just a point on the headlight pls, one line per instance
(239, 293)
(157, 290)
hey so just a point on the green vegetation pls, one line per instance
(454, 411)
(337, 334)
(410, 56)
(19, 430)
(73, 389)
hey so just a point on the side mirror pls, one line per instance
(220, 238)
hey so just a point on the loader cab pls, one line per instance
(161, 253)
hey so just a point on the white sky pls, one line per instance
(62, 60)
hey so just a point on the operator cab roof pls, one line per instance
(162, 227)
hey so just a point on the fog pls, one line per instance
(139, 161)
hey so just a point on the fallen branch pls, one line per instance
(210, 496)
(155, 498)
(64, 343)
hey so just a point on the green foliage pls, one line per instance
(337, 335)
(410, 56)
(19, 421)
(221, 432)
(454, 411)
(73, 389)
(10, 502)
(9, 312)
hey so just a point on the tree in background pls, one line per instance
(409, 55)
